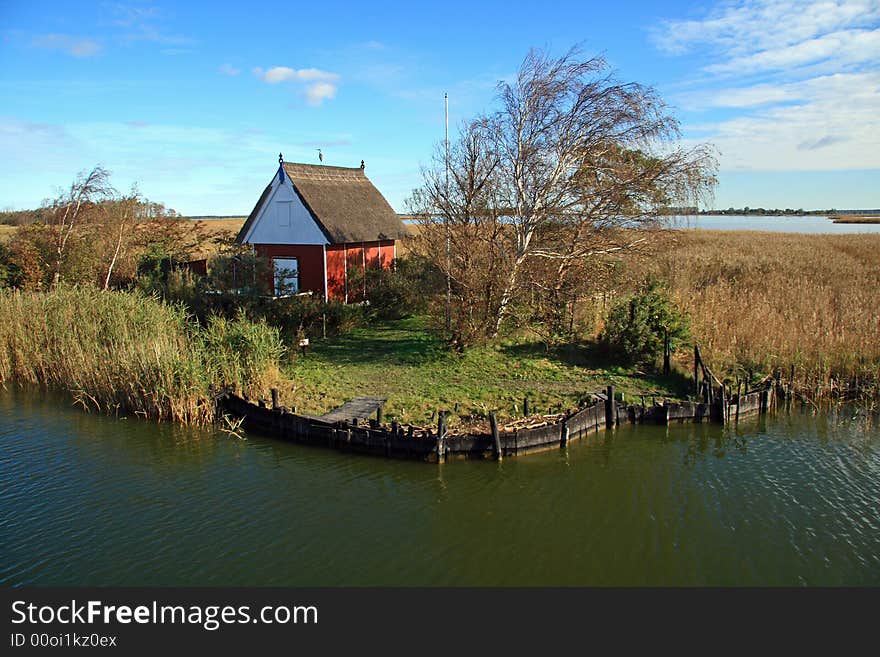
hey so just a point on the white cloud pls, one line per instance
(831, 122)
(842, 48)
(748, 26)
(278, 74)
(800, 82)
(146, 24)
(319, 92)
(229, 69)
(75, 46)
(816, 89)
(320, 85)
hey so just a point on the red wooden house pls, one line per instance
(322, 227)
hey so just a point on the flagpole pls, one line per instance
(446, 221)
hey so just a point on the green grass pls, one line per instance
(405, 363)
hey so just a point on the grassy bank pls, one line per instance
(126, 353)
(774, 300)
(410, 367)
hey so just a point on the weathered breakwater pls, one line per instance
(437, 445)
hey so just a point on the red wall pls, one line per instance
(311, 263)
(343, 258)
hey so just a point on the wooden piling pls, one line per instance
(610, 408)
(496, 438)
(667, 353)
(275, 404)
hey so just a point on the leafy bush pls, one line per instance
(11, 274)
(404, 290)
(307, 316)
(637, 327)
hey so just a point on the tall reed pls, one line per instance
(125, 352)
(808, 304)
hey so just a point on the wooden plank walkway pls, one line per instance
(359, 408)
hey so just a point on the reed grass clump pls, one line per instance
(130, 353)
(805, 306)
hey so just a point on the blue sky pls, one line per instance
(193, 100)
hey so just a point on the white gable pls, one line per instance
(284, 219)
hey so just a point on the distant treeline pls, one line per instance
(46, 213)
(24, 217)
(778, 212)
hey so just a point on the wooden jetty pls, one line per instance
(356, 410)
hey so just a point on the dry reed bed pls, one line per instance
(772, 300)
(122, 352)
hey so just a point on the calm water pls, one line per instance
(808, 224)
(92, 500)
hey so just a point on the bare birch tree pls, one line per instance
(581, 166)
(580, 149)
(88, 189)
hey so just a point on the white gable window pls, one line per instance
(283, 210)
(286, 276)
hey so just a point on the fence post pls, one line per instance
(496, 438)
(610, 408)
(275, 404)
(666, 353)
(441, 436)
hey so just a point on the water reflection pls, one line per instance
(90, 500)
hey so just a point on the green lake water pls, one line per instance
(90, 500)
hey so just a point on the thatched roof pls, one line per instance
(343, 201)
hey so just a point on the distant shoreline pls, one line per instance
(857, 219)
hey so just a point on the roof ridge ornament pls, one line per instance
(280, 168)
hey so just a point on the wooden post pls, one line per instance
(738, 399)
(697, 371)
(275, 404)
(395, 427)
(563, 438)
(525, 406)
(666, 353)
(379, 414)
(441, 437)
(610, 408)
(496, 438)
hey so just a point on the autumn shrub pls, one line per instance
(637, 327)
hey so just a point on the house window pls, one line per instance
(284, 210)
(286, 276)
